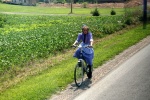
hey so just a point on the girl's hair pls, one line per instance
(85, 27)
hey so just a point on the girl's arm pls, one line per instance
(91, 40)
(91, 43)
(75, 43)
(78, 39)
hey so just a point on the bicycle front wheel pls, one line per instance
(78, 74)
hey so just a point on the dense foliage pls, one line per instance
(2, 21)
(26, 38)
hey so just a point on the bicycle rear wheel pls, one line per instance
(79, 73)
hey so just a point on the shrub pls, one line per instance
(113, 12)
(133, 16)
(84, 5)
(129, 21)
(95, 12)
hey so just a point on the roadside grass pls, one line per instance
(49, 10)
(56, 78)
(117, 43)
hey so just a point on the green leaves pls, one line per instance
(26, 38)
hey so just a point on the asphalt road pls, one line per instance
(130, 81)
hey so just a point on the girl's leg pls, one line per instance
(90, 72)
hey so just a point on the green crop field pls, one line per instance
(25, 38)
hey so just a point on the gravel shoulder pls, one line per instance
(72, 91)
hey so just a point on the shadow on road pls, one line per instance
(85, 85)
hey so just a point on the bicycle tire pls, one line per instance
(79, 74)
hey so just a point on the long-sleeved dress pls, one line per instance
(88, 53)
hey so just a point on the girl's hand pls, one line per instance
(74, 46)
(90, 46)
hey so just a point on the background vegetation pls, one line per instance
(26, 38)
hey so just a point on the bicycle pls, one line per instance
(81, 68)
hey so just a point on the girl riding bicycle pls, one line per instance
(85, 38)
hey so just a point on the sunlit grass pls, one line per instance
(49, 10)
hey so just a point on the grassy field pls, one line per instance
(48, 10)
(56, 78)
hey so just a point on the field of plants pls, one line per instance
(24, 39)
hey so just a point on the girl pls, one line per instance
(85, 38)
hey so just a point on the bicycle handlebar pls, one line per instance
(87, 46)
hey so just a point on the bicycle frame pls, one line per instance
(80, 68)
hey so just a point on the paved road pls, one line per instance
(130, 81)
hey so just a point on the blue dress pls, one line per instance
(88, 53)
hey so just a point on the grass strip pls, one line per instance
(56, 78)
(53, 10)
